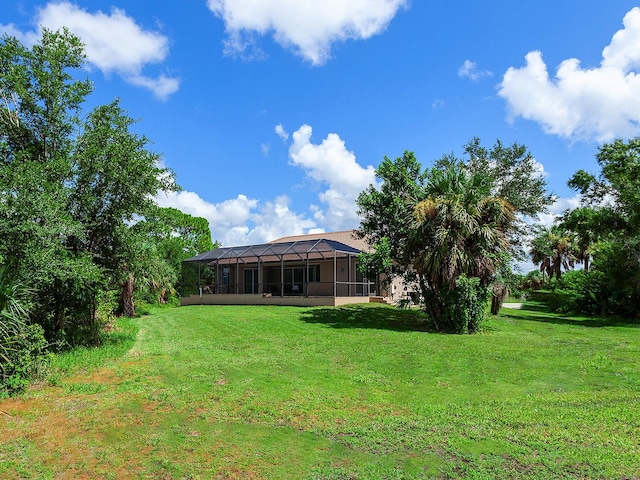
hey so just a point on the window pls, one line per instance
(295, 278)
(314, 273)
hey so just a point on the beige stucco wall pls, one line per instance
(261, 300)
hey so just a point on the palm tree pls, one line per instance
(553, 249)
(459, 229)
(14, 312)
(585, 222)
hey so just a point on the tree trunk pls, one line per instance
(499, 292)
(126, 298)
(430, 302)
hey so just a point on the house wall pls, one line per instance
(298, 301)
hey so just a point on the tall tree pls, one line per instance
(40, 111)
(70, 189)
(459, 230)
(377, 264)
(115, 178)
(386, 212)
(509, 175)
(174, 236)
(513, 173)
(585, 223)
(178, 235)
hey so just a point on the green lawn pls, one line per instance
(361, 392)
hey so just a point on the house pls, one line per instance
(305, 270)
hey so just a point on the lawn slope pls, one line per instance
(358, 392)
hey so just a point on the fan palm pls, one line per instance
(554, 249)
(459, 229)
(13, 311)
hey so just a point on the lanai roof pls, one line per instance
(281, 251)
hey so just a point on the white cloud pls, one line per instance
(330, 163)
(438, 104)
(27, 38)
(281, 132)
(242, 221)
(275, 219)
(470, 70)
(309, 27)
(162, 87)
(560, 206)
(588, 104)
(114, 43)
(265, 148)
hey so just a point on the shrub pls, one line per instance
(464, 305)
(22, 345)
(24, 359)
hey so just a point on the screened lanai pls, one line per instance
(279, 273)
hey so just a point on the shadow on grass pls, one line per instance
(538, 310)
(370, 316)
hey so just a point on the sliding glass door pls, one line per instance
(251, 280)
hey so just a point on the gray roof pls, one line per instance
(282, 251)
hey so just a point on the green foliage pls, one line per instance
(577, 292)
(554, 249)
(457, 218)
(72, 187)
(464, 305)
(609, 231)
(513, 174)
(376, 263)
(459, 230)
(387, 211)
(174, 236)
(586, 224)
(618, 263)
(22, 346)
(599, 291)
(114, 178)
(39, 117)
(24, 360)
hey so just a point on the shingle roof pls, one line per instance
(344, 236)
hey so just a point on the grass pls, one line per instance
(360, 392)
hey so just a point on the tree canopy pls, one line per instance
(453, 227)
(77, 215)
(607, 225)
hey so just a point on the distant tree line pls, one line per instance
(80, 234)
(455, 229)
(602, 234)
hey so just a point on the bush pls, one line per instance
(464, 306)
(25, 359)
(532, 281)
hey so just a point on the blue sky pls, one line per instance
(274, 113)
